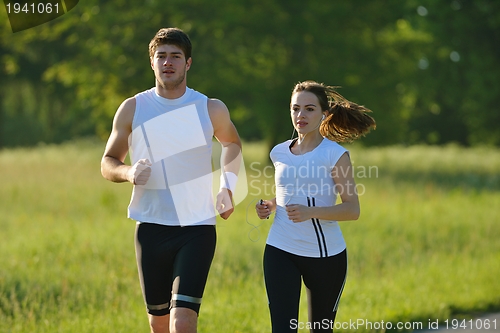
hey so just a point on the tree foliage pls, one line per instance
(428, 69)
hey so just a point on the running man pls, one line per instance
(168, 132)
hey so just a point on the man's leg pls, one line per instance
(183, 320)
(190, 271)
(154, 252)
(159, 324)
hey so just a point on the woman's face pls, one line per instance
(306, 112)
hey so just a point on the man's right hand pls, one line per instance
(139, 173)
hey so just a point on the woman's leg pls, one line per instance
(283, 283)
(324, 279)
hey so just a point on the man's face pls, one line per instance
(170, 66)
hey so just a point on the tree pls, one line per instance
(427, 69)
(459, 81)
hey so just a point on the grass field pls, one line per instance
(426, 247)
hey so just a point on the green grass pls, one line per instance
(425, 247)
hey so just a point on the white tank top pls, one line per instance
(175, 135)
(306, 180)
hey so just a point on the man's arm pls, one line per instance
(113, 167)
(226, 134)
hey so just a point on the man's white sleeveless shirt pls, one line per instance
(306, 180)
(175, 135)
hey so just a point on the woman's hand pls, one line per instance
(264, 208)
(299, 213)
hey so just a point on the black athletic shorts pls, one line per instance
(173, 264)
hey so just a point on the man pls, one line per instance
(169, 130)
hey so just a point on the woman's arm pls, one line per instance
(348, 209)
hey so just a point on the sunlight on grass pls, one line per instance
(425, 247)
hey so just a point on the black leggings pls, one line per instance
(324, 279)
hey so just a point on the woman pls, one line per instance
(305, 241)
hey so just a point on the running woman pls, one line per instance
(168, 132)
(305, 242)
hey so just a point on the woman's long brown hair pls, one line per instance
(346, 120)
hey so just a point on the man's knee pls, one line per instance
(183, 320)
(159, 324)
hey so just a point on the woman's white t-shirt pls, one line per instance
(307, 180)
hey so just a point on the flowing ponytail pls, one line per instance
(346, 121)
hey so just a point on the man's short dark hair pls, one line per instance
(171, 36)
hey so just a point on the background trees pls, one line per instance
(428, 69)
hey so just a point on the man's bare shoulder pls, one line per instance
(217, 109)
(126, 111)
(128, 105)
